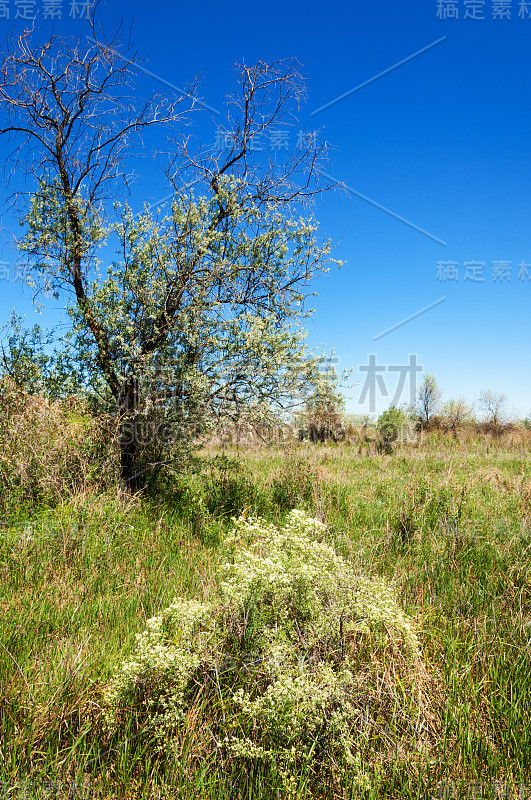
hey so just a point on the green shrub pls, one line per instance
(276, 668)
(391, 424)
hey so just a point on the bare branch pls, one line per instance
(73, 112)
(269, 96)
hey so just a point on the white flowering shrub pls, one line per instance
(298, 663)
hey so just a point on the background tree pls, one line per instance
(391, 425)
(322, 418)
(428, 399)
(493, 405)
(455, 413)
(204, 310)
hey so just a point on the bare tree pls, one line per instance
(493, 406)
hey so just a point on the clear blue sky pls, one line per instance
(442, 141)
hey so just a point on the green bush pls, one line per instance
(276, 667)
(391, 424)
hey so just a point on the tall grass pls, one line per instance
(83, 566)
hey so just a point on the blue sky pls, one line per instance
(441, 141)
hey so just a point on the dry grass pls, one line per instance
(51, 450)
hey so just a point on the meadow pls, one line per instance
(83, 566)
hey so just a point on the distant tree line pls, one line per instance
(324, 417)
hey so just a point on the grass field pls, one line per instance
(446, 521)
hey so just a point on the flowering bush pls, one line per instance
(293, 653)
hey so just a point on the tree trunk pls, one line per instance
(129, 460)
(132, 477)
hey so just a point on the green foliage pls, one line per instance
(29, 365)
(233, 341)
(428, 399)
(391, 424)
(216, 489)
(49, 239)
(455, 413)
(293, 485)
(322, 418)
(228, 488)
(203, 314)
